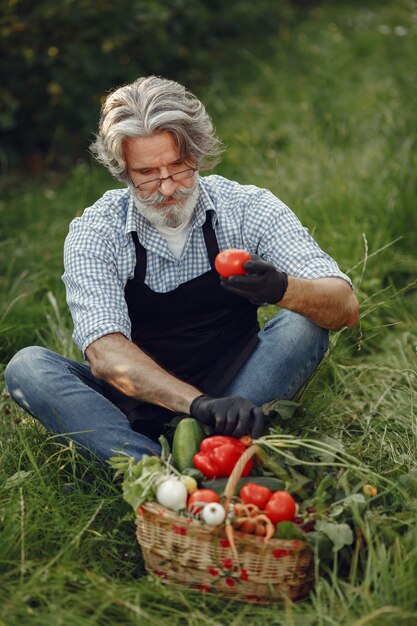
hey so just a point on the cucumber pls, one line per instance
(186, 442)
(218, 484)
(194, 473)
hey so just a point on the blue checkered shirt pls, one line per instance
(99, 254)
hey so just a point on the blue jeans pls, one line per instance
(69, 401)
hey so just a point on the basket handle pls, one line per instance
(233, 479)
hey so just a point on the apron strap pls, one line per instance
(210, 239)
(140, 267)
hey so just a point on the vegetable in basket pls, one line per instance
(213, 514)
(199, 498)
(186, 442)
(333, 503)
(218, 456)
(281, 507)
(172, 493)
(251, 493)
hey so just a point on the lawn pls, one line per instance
(327, 122)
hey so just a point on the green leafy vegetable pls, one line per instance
(284, 410)
(140, 478)
(165, 448)
(328, 483)
(322, 545)
(339, 534)
(288, 530)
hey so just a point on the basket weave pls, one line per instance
(186, 552)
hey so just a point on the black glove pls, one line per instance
(262, 283)
(231, 416)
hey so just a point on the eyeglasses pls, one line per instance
(177, 177)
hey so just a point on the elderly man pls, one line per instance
(161, 331)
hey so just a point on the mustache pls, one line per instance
(158, 198)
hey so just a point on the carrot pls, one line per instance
(231, 538)
(245, 524)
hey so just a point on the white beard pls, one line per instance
(172, 215)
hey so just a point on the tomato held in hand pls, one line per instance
(199, 498)
(251, 493)
(229, 262)
(281, 507)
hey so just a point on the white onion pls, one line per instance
(172, 494)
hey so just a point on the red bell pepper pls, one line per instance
(218, 455)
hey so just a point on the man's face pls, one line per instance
(169, 202)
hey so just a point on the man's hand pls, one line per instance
(262, 283)
(230, 416)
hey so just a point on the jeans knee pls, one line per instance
(313, 341)
(316, 336)
(25, 366)
(309, 345)
(298, 330)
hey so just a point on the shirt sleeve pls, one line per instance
(95, 292)
(286, 243)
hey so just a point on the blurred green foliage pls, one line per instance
(58, 58)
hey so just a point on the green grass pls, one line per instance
(328, 123)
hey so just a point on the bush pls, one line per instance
(58, 60)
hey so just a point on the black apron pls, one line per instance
(199, 332)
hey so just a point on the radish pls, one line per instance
(213, 514)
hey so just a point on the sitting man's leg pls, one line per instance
(68, 400)
(290, 349)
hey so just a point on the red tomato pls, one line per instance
(199, 498)
(251, 493)
(280, 507)
(231, 262)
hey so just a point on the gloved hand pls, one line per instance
(262, 283)
(231, 416)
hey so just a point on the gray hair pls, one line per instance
(149, 105)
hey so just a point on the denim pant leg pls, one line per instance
(290, 348)
(68, 400)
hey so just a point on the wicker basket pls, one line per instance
(186, 552)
